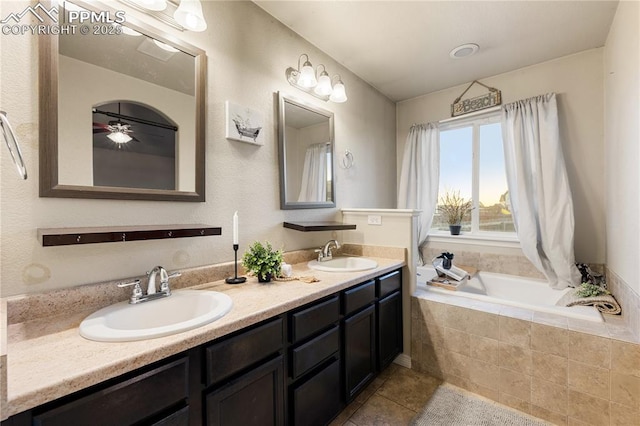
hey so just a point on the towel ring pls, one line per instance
(12, 144)
(347, 159)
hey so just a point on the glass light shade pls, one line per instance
(324, 85)
(307, 76)
(119, 137)
(189, 15)
(152, 4)
(339, 94)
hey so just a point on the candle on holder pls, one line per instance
(235, 228)
(235, 279)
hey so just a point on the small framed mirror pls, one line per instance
(306, 152)
(122, 113)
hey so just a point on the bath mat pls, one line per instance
(605, 303)
(452, 406)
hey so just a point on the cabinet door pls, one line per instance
(359, 351)
(128, 402)
(254, 399)
(389, 329)
(317, 401)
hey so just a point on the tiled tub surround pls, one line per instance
(628, 299)
(562, 370)
(48, 359)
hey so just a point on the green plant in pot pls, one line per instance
(454, 208)
(262, 261)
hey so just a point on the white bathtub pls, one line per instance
(510, 290)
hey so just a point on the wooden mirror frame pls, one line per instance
(48, 114)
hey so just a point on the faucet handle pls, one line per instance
(164, 284)
(122, 284)
(137, 290)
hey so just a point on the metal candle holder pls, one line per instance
(235, 279)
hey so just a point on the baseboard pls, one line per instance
(403, 360)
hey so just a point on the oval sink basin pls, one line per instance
(343, 264)
(183, 310)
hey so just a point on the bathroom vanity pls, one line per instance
(288, 353)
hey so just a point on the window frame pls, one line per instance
(475, 235)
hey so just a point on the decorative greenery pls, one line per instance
(262, 260)
(454, 207)
(590, 290)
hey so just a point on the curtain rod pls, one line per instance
(471, 114)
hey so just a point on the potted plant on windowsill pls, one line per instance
(454, 208)
(262, 261)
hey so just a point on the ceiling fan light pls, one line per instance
(324, 85)
(156, 5)
(189, 15)
(119, 137)
(339, 93)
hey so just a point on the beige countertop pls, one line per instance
(51, 359)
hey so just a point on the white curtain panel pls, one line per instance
(539, 188)
(420, 175)
(314, 174)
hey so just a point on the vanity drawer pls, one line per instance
(358, 297)
(389, 283)
(310, 320)
(312, 353)
(232, 355)
(128, 402)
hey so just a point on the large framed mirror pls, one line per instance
(306, 152)
(122, 113)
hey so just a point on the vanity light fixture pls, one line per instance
(155, 5)
(307, 80)
(339, 94)
(189, 15)
(180, 14)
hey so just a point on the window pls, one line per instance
(472, 165)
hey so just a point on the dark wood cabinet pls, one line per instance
(359, 351)
(142, 397)
(299, 368)
(317, 401)
(253, 399)
(314, 396)
(389, 324)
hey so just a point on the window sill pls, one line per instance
(488, 239)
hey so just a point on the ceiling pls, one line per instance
(402, 47)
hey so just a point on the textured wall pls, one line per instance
(248, 52)
(578, 81)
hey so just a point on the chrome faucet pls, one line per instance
(325, 253)
(152, 293)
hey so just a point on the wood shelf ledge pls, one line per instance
(50, 237)
(318, 226)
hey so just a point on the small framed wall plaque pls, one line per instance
(465, 106)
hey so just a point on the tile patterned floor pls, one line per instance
(393, 399)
